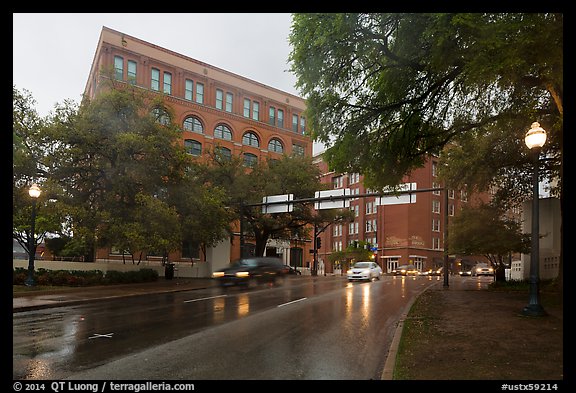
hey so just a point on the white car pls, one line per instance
(484, 271)
(364, 271)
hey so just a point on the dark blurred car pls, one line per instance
(291, 270)
(465, 272)
(251, 272)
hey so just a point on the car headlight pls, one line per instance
(217, 274)
(242, 274)
(349, 272)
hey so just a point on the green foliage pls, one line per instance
(385, 91)
(485, 231)
(82, 278)
(242, 186)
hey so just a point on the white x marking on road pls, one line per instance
(96, 335)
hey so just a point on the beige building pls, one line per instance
(550, 245)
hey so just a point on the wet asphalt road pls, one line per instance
(302, 329)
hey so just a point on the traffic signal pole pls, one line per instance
(332, 198)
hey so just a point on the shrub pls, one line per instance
(81, 278)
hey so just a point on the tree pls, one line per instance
(385, 91)
(484, 230)
(111, 150)
(357, 251)
(203, 210)
(245, 186)
(30, 149)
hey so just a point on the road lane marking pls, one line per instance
(96, 335)
(204, 298)
(293, 301)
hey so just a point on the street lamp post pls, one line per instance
(535, 139)
(34, 193)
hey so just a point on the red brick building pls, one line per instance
(214, 107)
(407, 233)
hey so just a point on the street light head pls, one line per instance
(34, 191)
(536, 136)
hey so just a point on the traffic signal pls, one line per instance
(318, 243)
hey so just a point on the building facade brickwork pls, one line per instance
(215, 108)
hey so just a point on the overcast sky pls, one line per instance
(52, 53)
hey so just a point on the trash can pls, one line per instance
(169, 271)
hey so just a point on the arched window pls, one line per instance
(276, 146)
(250, 139)
(193, 147)
(161, 116)
(193, 124)
(250, 160)
(223, 153)
(223, 132)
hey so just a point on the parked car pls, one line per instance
(484, 271)
(405, 270)
(364, 271)
(291, 270)
(251, 272)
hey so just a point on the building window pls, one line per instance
(302, 125)
(167, 83)
(337, 230)
(132, 72)
(219, 99)
(192, 123)
(246, 107)
(451, 210)
(272, 116)
(297, 150)
(435, 185)
(250, 160)
(436, 243)
(250, 139)
(229, 102)
(256, 111)
(223, 153)
(370, 226)
(280, 118)
(434, 168)
(199, 93)
(295, 123)
(435, 225)
(276, 146)
(161, 116)
(435, 206)
(193, 147)
(353, 228)
(464, 196)
(451, 194)
(222, 132)
(188, 89)
(370, 207)
(353, 178)
(337, 182)
(118, 68)
(155, 80)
